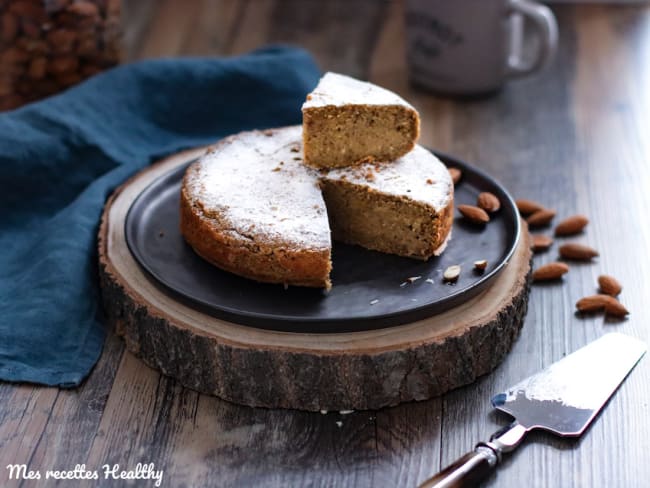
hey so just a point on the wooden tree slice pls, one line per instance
(262, 368)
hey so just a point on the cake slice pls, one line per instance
(347, 121)
(403, 207)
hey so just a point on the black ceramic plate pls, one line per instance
(370, 290)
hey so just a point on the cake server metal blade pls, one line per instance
(566, 396)
(562, 399)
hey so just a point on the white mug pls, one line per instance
(471, 47)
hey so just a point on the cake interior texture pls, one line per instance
(383, 222)
(337, 136)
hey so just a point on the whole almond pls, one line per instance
(28, 9)
(527, 207)
(550, 271)
(615, 308)
(63, 64)
(37, 68)
(572, 225)
(474, 214)
(488, 202)
(83, 9)
(62, 40)
(30, 28)
(6, 86)
(609, 285)
(578, 252)
(593, 303)
(540, 243)
(541, 218)
(455, 174)
(8, 27)
(11, 102)
(13, 55)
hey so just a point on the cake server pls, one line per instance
(562, 399)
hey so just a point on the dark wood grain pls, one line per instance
(576, 138)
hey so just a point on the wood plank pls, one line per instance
(339, 33)
(48, 428)
(214, 28)
(169, 29)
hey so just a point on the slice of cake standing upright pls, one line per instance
(347, 122)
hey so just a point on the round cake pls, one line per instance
(251, 207)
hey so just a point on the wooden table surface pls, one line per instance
(576, 138)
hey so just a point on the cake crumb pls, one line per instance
(295, 149)
(161, 234)
(374, 302)
(277, 168)
(429, 181)
(297, 158)
(339, 424)
(413, 279)
(402, 285)
(429, 280)
(345, 412)
(324, 412)
(267, 132)
(309, 97)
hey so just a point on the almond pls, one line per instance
(37, 68)
(609, 285)
(488, 202)
(63, 64)
(615, 308)
(593, 303)
(527, 207)
(540, 242)
(8, 27)
(596, 303)
(13, 55)
(452, 273)
(474, 214)
(578, 252)
(541, 218)
(572, 225)
(62, 40)
(550, 271)
(83, 9)
(455, 174)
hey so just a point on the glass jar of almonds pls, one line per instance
(49, 45)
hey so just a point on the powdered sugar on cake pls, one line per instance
(336, 89)
(418, 175)
(257, 183)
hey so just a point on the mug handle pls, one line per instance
(546, 27)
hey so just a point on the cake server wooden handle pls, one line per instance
(472, 468)
(467, 471)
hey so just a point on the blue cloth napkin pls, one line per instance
(61, 158)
